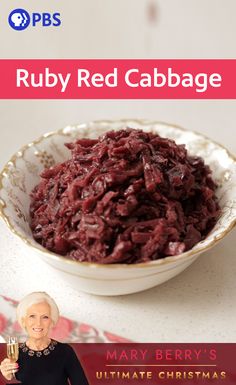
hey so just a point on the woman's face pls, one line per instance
(38, 321)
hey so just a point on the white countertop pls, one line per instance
(197, 305)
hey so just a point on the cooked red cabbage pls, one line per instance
(127, 197)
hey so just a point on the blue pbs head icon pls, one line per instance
(19, 19)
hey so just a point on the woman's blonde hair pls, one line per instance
(32, 299)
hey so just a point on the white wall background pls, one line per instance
(123, 29)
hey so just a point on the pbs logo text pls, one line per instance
(19, 19)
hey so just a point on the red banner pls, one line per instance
(118, 79)
(136, 363)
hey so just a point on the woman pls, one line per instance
(42, 360)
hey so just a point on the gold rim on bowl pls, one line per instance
(163, 261)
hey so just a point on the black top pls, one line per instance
(54, 365)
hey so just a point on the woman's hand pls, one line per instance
(7, 367)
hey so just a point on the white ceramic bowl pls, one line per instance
(21, 174)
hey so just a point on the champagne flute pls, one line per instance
(13, 351)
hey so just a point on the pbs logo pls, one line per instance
(19, 19)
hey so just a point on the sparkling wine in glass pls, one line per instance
(13, 350)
